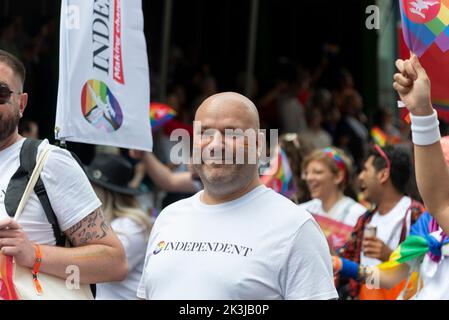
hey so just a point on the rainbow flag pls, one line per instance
(379, 137)
(7, 290)
(160, 114)
(428, 37)
(425, 22)
(279, 176)
(421, 241)
(337, 233)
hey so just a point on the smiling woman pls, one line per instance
(327, 172)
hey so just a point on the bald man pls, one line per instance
(236, 239)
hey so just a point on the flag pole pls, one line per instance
(252, 37)
(165, 48)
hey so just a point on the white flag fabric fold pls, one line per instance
(104, 89)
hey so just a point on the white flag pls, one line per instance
(104, 89)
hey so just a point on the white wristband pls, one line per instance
(425, 129)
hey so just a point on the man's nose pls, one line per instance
(360, 176)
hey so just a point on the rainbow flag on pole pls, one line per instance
(425, 22)
(425, 31)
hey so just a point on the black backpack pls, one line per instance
(19, 181)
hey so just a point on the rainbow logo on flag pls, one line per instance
(425, 22)
(160, 114)
(99, 106)
(279, 176)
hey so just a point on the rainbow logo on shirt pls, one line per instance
(99, 106)
(160, 246)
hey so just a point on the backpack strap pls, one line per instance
(415, 209)
(19, 181)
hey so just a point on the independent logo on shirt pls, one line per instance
(216, 247)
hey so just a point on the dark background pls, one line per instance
(216, 33)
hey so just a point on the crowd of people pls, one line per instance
(343, 228)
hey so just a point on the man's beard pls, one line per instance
(226, 180)
(9, 125)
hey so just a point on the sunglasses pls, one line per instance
(383, 155)
(5, 94)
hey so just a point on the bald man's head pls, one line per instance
(228, 122)
(230, 104)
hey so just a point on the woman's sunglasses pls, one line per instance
(5, 94)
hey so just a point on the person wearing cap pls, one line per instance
(327, 173)
(110, 176)
(236, 239)
(383, 180)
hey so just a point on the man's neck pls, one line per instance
(330, 200)
(10, 141)
(389, 201)
(211, 199)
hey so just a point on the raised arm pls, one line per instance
(162, 176)
(432, 174)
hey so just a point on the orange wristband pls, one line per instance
(36, 268)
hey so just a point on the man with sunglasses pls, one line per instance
(32, 239)
(383, 179)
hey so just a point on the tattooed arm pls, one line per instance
(93, 227)
(96, 251)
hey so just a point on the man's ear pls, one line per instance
(23, 100)
(383, 175)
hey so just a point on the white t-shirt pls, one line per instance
(134, 241)
(69, 191)
(346, 210)
(435, 278)
(389, 227)
(260, 246)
